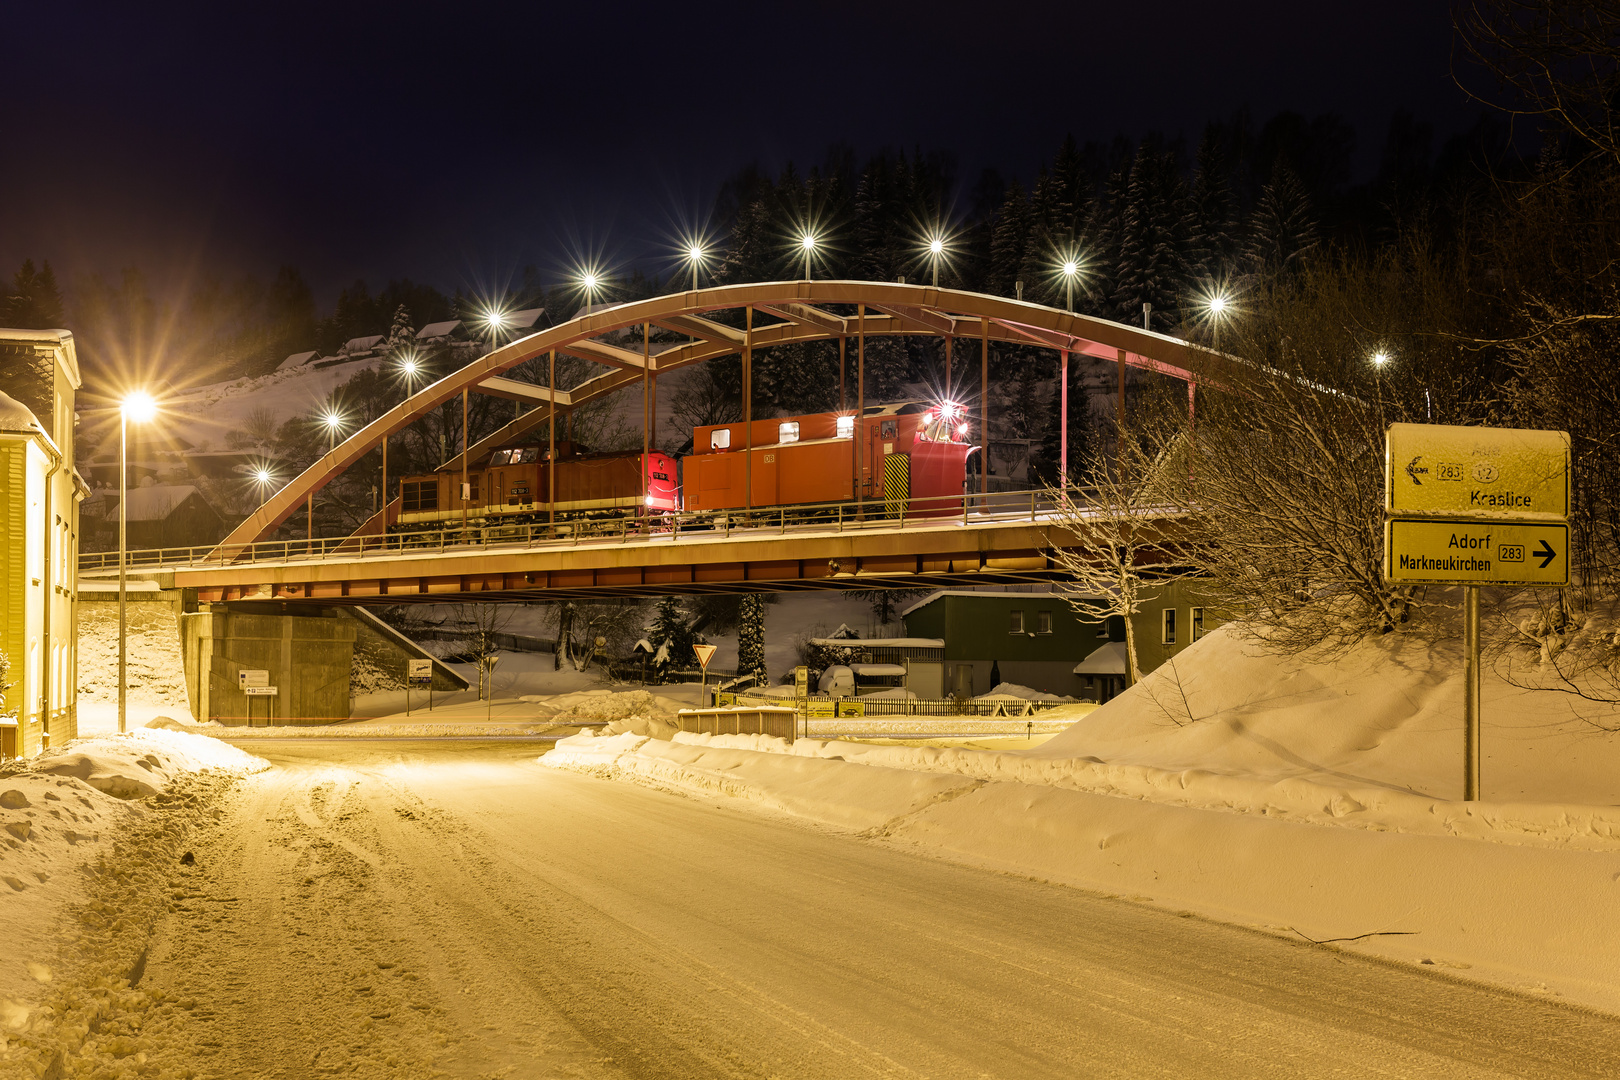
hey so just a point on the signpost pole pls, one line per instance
(1471, 702)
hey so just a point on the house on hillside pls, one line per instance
(442, 333)
(162, 515)
(298, 360)
(40, 494)
(357, 348)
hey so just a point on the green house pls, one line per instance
(1036, 639)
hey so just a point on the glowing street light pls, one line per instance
(495, 319)
(808, 243)
(139, 407)
(1380, 358)
(1071, 270)
(936, 252)
(332, 420)
(590, 284)
(695, 254)
(1217, 305)
(410, 368)
(263, 478)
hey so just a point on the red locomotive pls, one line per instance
(904, 451)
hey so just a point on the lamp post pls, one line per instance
(936, 251)
(695, 255)
(1218, 305)
(589, 284)
(139, 407)
(1071, 270)
(263, 478)
(808, 243)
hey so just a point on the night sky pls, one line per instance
(456, 143)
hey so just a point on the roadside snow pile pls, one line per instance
(97, 814)
(1013, 692)
(603, 705)
(1388, 715)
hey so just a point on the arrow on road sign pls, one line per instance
(1412, 470)
(1545, 553)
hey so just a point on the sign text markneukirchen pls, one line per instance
(1476, 553)
(1435, 470)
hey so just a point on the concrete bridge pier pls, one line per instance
(307, 649)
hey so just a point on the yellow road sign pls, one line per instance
(1502, 474)
(1476, 552)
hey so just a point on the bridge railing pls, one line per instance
(617, 528)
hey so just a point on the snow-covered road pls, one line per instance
(393, 909)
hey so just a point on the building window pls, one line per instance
(720, 439)
(1016, 624)
(846, 427)
(787, 432)
(1168, 634)
(1043, 622)
(1197, 621)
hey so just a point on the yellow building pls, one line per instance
(39, 539)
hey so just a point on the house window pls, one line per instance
(787, 432)
(1197, 621)
(846, 427)
(1043, 622)
(720, 438)
(1168, 626)
(1016, 624)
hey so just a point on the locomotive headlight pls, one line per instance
(962, 431)
(651, 501)
(947, 410)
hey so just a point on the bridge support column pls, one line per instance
(307, 650)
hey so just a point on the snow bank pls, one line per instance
(1014, 692)
(63, 813)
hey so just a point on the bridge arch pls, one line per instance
(800, 308)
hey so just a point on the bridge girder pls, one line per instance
(893, 309)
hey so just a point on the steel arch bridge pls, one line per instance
(799, 312)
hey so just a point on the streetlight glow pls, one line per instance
(262, 476)
(694, 253)
(936, 246)
(139, 406)
(1380, 358)
(1217, 305)
(332, 420)
(1071, 268)
(807, 242)
(589, 281)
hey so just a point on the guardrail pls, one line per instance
(628, 527)
(843, 708)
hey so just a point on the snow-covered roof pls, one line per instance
(1106, 659)
(298, 359)
(15, 416)
(156, 502)
(438, 329)
(525, 319)
(874, 670)
(882, 642)
(361, 344)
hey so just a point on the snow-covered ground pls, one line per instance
(1308, 798)
(89, 832)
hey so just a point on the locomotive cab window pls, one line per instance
(846, 427)
(787, 432)
(423, 495)
(720, 439)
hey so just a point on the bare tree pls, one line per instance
(585, 631)
(479, 623)
(1134, 537)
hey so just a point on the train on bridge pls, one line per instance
(906, 452)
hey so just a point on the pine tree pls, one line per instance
(1008, 240)
(33, 302)
(751, 639)
(1282, 229)
(1044, 464)
(671, 638)
(1213, 247)
(401, 335)
(1154, 227)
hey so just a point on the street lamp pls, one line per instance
(1071, 270)
(1380, 358)
(263, 477)
(139, 407)
(1217, 306)
(808, 243)
(936, 250)
(496, 321)
(333, 422)
(695, 253)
